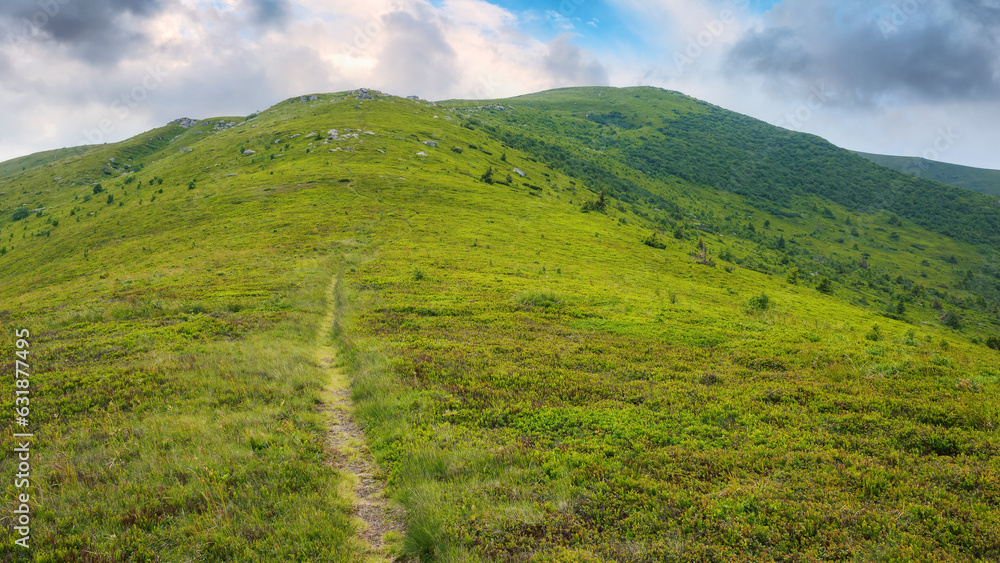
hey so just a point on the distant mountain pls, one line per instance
(980, 180)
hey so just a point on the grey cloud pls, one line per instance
(937, 52)
(771, 51)
(568, 66)
(93, 30)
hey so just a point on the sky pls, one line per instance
(904, 77)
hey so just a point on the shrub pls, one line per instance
(487, 176)
(951, 319)
(758, 303)
(20, 213)
(540, 298)
(793, 276)
(192, 185)
(654, 241)
(111, 199)
(875, 334)
(825, 286)
(600, 205)
(993, 342)
(98, 188)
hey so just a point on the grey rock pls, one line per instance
(249, 152)
(430, 143)
(519, 172)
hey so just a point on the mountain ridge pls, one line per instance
(982, 180)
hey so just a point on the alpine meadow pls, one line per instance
(590, 324)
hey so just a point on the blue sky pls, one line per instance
(910, 77)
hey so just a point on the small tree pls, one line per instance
(702, 256)
(951, 319)
(600, 205)
(111, 199)
(793, 276)
(487, 176)
(825, 286)
(98, 188)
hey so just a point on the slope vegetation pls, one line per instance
(581, 325)
(976, 179)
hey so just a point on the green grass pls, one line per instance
(536, 383)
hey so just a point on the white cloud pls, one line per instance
(236, 56)
(558, 20)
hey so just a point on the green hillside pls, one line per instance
(979, 180)
(588, 324)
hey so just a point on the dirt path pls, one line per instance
(348, 449)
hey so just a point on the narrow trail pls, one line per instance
(348, 450)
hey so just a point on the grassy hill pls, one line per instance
(979, 180)
(587, 324)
